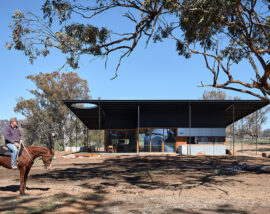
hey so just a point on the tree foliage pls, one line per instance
(266, 133)
(47, 118)
(214, 95)
(223, 32)
(247, 125)
(218, 95)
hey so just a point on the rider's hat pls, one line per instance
(13, 119)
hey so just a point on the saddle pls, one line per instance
(5, 151)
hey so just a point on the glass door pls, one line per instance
(169, 140)
(156, 140)
(144, 140)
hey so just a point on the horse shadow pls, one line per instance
(16, 188)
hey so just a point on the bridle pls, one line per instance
(46, 162)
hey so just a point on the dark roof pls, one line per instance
(90, 116)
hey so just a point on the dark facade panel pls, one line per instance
(161, 118)
(121, 121)
(123, 114)
(207, 118)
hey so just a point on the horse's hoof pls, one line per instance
(22, 193)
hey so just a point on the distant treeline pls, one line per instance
(3, 124)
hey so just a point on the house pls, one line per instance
(163, 126)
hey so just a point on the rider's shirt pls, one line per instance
(12, 134)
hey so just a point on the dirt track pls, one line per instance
(138, 184)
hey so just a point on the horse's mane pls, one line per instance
(38, 148)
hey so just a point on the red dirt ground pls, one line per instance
(139, 184)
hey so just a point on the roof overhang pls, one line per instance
(90, 115)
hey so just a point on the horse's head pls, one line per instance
(47, 159)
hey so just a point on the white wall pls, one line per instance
(217, 132)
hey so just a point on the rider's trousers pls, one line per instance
(14, 150)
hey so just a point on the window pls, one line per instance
(144, 140)
(169, 140)
(193, 140)
(122, 140)
(112, 138)
(206, 140)
(156, 140)
(210, 140)
(219, 140)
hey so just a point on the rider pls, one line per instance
(13, 137)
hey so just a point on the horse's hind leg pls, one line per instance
(25, 178)
(22, 173)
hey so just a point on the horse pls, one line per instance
(26, 161)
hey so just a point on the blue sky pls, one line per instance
(156, 72)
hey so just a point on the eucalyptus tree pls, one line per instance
(249, 125)
(214, 95)
(47, 118)
(223, 32)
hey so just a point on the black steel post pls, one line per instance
(233, 126)
(76, 135)
(138, 128)
(230, 138)
(242, 144)
(87, 136)
(189, 121)
(70, 133)
(256, 132)
(99, 124)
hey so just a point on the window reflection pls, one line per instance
(112, 138)
(153, 140)
(122, 140)
(207, 140)
(144, 140)
(126, 141)
(156, 140)
(169, 140)
(219, 140)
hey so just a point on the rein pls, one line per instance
(27, 153)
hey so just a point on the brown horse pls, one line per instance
(26, 161)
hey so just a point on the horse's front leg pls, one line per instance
(25, 178)
(22, 173)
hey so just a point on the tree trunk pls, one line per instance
(65, 140)
(51, 143)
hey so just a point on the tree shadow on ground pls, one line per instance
(254, 150)
(148, 172)
(225, 208)
(62, 202)
(15, 188)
